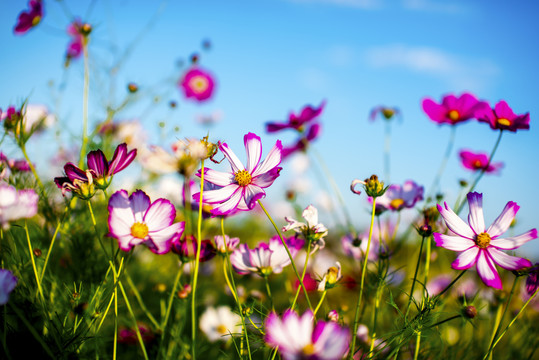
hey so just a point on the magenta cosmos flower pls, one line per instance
(16, 204)
(502, 117)
(453, 110)
(8, 281)
(398, 197)
(481, 247)
(240, 188)
(134, 220)
(197, 84)
(30, 18)
(478, 162)
(297, 122)
(74, 48)
(304, 141)
(299, 338)
(265, 259)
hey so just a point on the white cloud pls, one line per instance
(458, 71)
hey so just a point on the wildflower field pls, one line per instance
(138, 220)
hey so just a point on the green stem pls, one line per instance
(171, 299)
(415, 277)
(444, 321)
(139, 300)
(302, 273)
(319, 303)
(32, 168)
(449, 286)
(268, 290)
(513, 321)
(85, 102)
(289, 255)
(33, 262)
(375, 316)
(96, 230)
(52, 243)
(197, 264)
(363, 272)
(497, 328)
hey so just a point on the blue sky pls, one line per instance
(273, 57)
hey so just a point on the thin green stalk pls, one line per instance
(52, 243)
(375, 316)
(85, 92)
(139, 300)
(171, 298)
(319, 303)
(33, 262)
(289, 255)
(95, 229)
(417, 343)
(415, 277)
(187, 207)
(497, 327)
(268, 290)
(449, 286)
(444, 321)
(482, 172)
(32, 168)
(436, 182)
(363, 272)
(427, 267)
(513, 321)
(197, 264)
(235, 292)
(303, 273)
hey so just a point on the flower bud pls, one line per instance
(333, 315)
(373, 187)
(470, 311)
(132, 88)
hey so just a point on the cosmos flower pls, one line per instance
(231, 243)
(12, 165)
(16, 204)
(453, 110)
(478, 162)
(240, 188)
(532, 281)
(197, 84)
(356, 247)
(502, 117)
(30, 18)
(298, 337)
(8, 281)
(134, 220)
(129, 336)
(297, 122)
(331, 278)
(74, 48)
(303, 142)
(99, 173)
(481, 247)
(398, 197)
(187, 248)
(218, 323)
(312, 230)
(387, 113)
(266, 258)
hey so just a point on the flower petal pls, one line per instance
(160, 241)
(271, 161)
(121, 216)
(218, 177)
(235, 163)
(126, 242)
(97, 162)
(121, 159)
(228, 206)
(454, 243)
(514, 242)
(159, 215)
(454, 223)
(508, 262)
(502, 222)
(253, 146)
(139, 203)
(252, 193)
(266, 179)
(466, 259)
(476, 218)
(217, 196)
(487, 271)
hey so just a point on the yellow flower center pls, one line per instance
(477, 164)
(36, 20)
(332, 275)
(388, 113)
(139, 230)
(243, 178)
(453, 115)
(482, 240)
(503, 122)
(199, 84)
(308, 349)
(221, 329)
(396, 203)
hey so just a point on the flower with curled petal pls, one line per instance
(312, 230)
(478, 162)
(502, 117)
(453, 110)
(301, 337)
(240, 188)
(30, 18)
(134, 219)
(479, 246)
(297, 122)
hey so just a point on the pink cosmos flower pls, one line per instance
(74, 48)
(502, 117)
(478, 162)
(16, 204)
(297, 122)
(532, 281)
(303, 142)
(8, 281)
(12, 164)
(197, 84)
(243, 186)
(225, 245)
(134, 220)
(453, 110)
(265, 258)
(30, 18)
(298, 337)
(187, 248)
(398, 197)
(481, 247)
